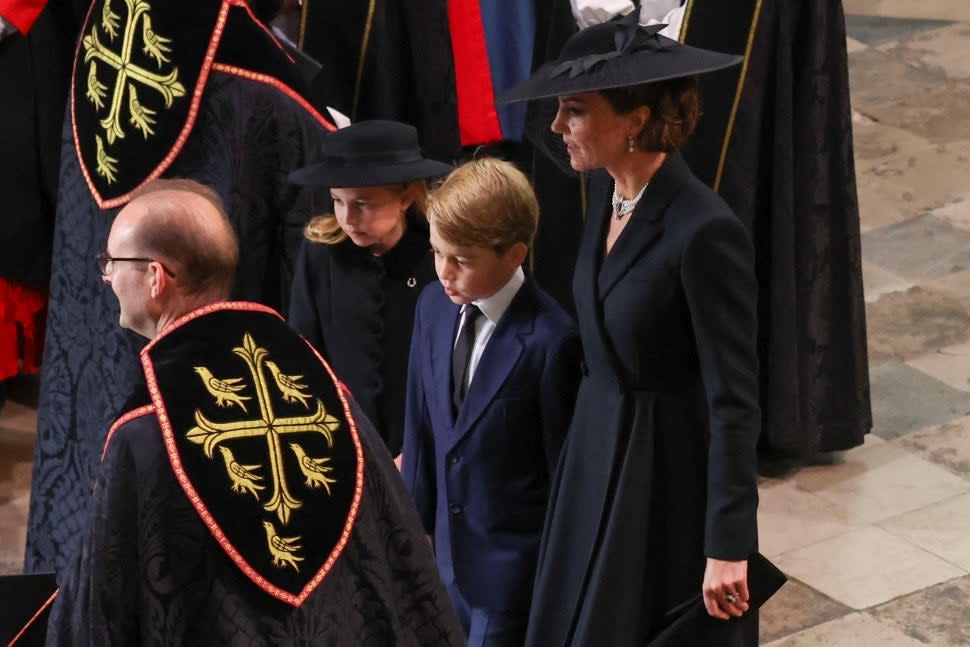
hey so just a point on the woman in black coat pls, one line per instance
(655, 498)
(360, 270)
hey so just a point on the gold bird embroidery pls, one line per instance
(97, 91)
(289, 385)
(282, 548)
(242, 476)
(107, 165)
(154, 45)
(314, 469)
(142, 118)
(110, 21)
(226, 392)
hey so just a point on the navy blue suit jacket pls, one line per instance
(481, 481)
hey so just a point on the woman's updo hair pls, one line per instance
(675, 107)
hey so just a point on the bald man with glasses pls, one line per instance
(243, 497)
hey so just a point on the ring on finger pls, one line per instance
(730, 598)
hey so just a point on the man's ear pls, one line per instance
(158, 279)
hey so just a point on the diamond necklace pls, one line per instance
(622, 206)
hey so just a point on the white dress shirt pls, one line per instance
(493, 308)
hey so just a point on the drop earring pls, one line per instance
(629, 145)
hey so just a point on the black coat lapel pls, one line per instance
(646, 224)
(591, 243)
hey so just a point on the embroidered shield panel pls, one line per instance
(261, 439)
(132, 96)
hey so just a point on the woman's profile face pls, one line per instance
(371, 216)
(594, 133)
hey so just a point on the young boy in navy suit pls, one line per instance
(492, 377)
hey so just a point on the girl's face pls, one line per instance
(372, 216)
(596, 136)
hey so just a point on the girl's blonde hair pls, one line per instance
(485, 203)
(325, 228)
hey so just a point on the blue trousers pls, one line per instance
(486, 627)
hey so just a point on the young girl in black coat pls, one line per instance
(361, 268)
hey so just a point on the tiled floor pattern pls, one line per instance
(876, 540)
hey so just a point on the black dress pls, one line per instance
(658, 469)
(357, 309)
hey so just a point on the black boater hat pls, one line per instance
(369, 153)
(616, 54)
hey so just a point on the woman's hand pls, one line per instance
(725, 588)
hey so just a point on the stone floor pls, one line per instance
(877, 541)
(18, 423)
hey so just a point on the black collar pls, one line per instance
(401, 260)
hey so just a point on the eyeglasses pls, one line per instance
(106, 263)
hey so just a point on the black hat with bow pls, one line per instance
(616, 54)
(369, 153)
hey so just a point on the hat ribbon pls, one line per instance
(377, 157)
(630, 37)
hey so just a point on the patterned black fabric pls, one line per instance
(149, 572)
(789, 176)
(247, 138)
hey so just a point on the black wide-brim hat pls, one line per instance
(369, 153)
(616, 54)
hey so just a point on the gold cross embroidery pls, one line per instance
(129, 76)
(245, 478)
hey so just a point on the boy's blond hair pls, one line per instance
(486, 203)
(325, 229)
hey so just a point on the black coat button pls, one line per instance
(453, 458)
(455, 508)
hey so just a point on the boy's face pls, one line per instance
(472, 273)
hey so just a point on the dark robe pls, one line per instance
(358, 310)
(658, 469)
(786, 169)
(386, 60)
(247, 135)
(34, 77)
(150, 569)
